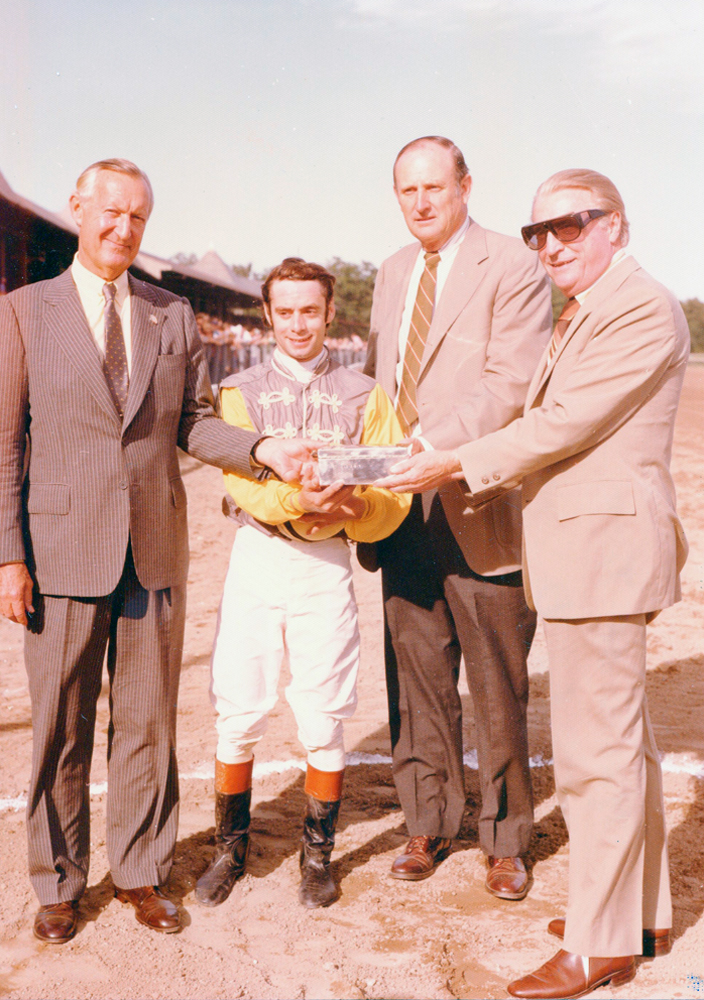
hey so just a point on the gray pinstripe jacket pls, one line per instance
(90, 483)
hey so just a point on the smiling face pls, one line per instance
(111, 219)
(433, 201)
(575, 266)
(299, 316)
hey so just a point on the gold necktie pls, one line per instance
(115, 360)
(421, 319)
(563, 321)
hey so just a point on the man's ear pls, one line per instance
(76, 208)
(614, 223)
(267, 314)
(330, 315)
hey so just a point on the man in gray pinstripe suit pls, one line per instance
(93, 541)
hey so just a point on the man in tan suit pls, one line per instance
(459, 321)
(101, 377)
(603, 552)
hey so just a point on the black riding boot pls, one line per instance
(231, 846)
(317, 885)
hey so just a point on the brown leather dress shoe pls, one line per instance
(420, 858)
(57, 922)
(507, 878)
(152, 908)
(563, 977)
(655, 943)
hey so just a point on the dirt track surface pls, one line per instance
(441, 938)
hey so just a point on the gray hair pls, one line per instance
(85, 184)
(603, 189)
(461, 168)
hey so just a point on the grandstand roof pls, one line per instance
(8, 194)
(211, 268)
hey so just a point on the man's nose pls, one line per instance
(552, 244)
(422, 201)
(123, 227)
(297, 321)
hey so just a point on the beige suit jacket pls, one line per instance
(592, 450)
(489, 330)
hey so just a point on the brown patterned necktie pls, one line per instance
(115, 361)
(422, 317)
(563, 321)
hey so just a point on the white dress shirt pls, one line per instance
(448, 252)
(90, 292)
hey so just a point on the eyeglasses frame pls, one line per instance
(538, 229)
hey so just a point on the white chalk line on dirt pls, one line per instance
(672, 763)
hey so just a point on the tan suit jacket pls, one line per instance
(489, 330)
(592, 450)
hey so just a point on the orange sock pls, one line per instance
(326, 786)
(232, 779)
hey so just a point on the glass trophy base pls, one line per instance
(358, 465)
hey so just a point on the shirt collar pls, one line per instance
(302, 371)
(456, 237)
(92, 284)
(619, 256)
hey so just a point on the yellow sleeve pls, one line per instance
(269, 500)
(385, 510)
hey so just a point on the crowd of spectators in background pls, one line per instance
(232, 347)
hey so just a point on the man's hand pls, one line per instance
(423, 471)
(284, 457)
(326, 500)
(15, 592)
(329, 504)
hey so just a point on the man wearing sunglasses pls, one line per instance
(603, 552)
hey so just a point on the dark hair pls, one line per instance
(297, 269)
(461, 168)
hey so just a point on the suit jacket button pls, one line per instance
(123, 484)
(497, 476)
(485, 479)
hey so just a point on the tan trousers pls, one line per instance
(609, 785)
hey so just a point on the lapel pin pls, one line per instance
(153, 319)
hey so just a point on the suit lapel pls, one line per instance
(66, 321)
(462, 282)
(146, 323)
(605, 287)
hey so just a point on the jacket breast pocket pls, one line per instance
(170, 361)
(608, 496)
(49, 498)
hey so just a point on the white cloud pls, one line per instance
(652, 46)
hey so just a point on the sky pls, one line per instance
(269, 128)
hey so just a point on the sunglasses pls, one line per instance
(566, 228)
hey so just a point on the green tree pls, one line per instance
(354, 286)
(184, 259)
(694, 311)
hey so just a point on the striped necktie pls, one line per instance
(115, 360)
(563, 321)
(421, 319)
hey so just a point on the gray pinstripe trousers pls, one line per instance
(64, 653)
